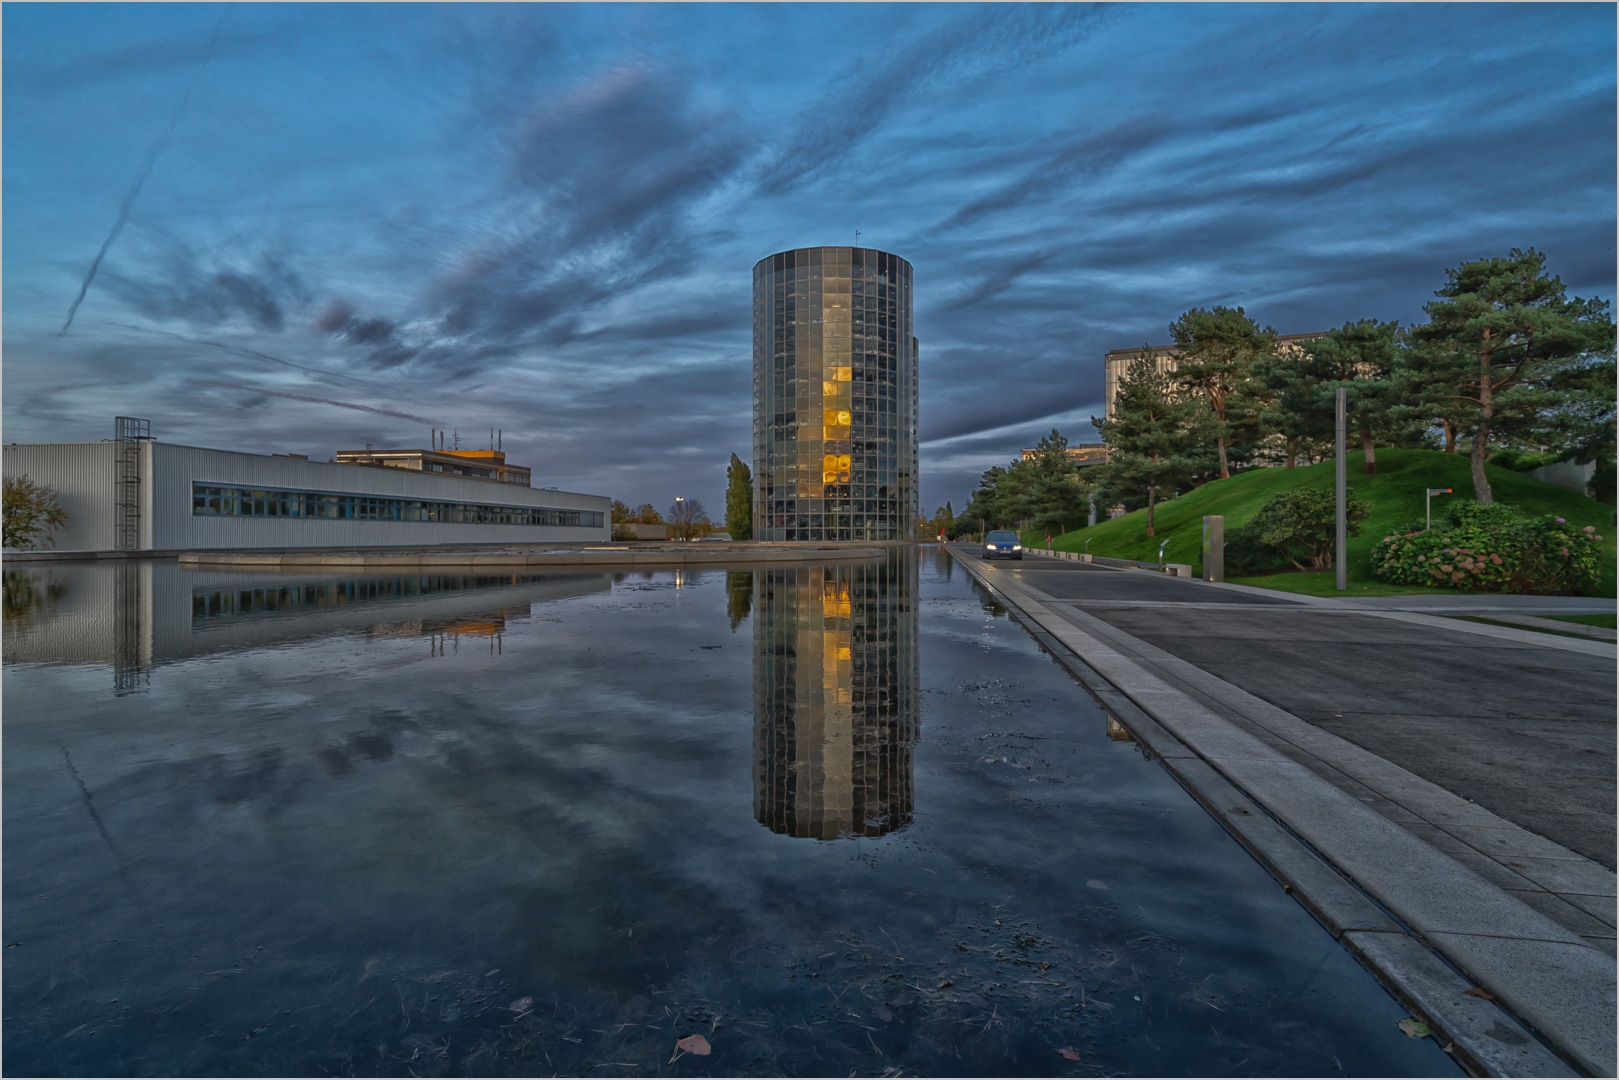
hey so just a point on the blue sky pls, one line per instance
(360, 222)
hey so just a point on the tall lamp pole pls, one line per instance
(1427, 503)
(1340, 558)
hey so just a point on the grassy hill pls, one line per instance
(1395, 494)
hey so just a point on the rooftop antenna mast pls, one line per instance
(857, 238)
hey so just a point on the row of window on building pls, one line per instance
(209, 500)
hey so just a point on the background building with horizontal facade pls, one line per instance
(188, 497)
(1168, 358)
(834, 396)
(1079, 456)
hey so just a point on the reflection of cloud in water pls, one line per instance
(835, 697)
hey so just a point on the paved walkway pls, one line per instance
(1459, 772)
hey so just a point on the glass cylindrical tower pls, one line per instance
(834, 396)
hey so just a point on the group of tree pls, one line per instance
(686, 519)
(1505, 360)
(1506, 365)
(1045, 492)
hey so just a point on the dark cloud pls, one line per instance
(338, 319)
(604, 180)
(204, 292)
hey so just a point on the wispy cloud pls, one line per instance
(962, 50)
(542, 217)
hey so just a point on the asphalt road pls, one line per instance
(1525, 732)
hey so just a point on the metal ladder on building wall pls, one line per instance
(129, 432)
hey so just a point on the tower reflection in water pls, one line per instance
(835, 682)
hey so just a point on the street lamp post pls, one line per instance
(1427, 504)
(678, 500)
(1342, 482)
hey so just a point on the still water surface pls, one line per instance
(836, 819)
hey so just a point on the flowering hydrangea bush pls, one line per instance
(1493, 548)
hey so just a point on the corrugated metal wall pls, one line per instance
(82, 474)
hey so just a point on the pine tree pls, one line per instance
(1157, 436)
(739, 499)
(1218, 348)
(1498, 341)
(1363, 358)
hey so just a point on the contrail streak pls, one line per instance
(327, 401)
(252, 354)
(140, 177)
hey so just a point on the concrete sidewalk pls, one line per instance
(1288, 702)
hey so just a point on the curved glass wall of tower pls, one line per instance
(835, 685)
(834, 396)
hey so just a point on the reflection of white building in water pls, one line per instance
(835, 697)
(131, 615)
(135, 494)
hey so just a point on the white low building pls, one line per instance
(152, 496)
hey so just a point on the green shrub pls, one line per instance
(1524, 460)
(1301, 525)
(1493, 548)
(1246, 553)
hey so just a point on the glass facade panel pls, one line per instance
(835, 684)
(212, 500)
(834, 396)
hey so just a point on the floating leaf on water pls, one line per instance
(1485, 994)
(1413, 1027)
(1045, 966)
(1070, 1053)
(903, 1000)
(694, 1044)
(882, 1014)
(521, 1005)
(1094, 884)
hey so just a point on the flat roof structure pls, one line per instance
(142, 495)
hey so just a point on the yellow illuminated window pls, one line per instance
(845, 374)
(831, 462)
(829, 389)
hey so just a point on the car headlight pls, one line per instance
(1017, 547)
(989, 547)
